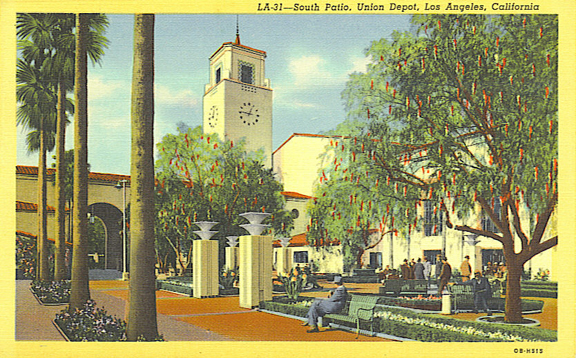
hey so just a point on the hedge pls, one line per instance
(540, 284)
(527, 333)
(539, 293)
(293, 310)
(429, 334)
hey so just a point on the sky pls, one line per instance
(309, 59)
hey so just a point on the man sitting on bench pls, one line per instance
(320, 307)
(482, 291)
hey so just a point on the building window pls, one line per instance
(431, 255)
(246, 71)
(218, 75)
(375, 260)
(301, 257)
(295, 213)
(487, 224)
(433, 219)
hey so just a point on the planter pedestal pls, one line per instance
(283, 260)
(205, 269)
(446, 303)
(255, 270)
(232, 261)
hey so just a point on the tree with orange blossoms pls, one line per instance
(202, 178)
(356, 207)
(465, 109)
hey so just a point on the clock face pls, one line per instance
(248, 114)
(213, 116)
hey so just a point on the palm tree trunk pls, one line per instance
(142, 319)
(43, 273)
(79, 291)
(60, 252)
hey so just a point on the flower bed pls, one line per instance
(426, 327)
(282, 304)
(179, 285)
(90, 324)
(51, 292)
(429, 303)
(434, 328)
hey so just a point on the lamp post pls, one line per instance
(122, 184)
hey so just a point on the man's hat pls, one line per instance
(338, 279)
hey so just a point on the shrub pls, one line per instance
(26, 255)
(409, 325)
(542, 275)
(91, 324)
(51, 291)
(293, 282)
(299, 309)
(228, 278)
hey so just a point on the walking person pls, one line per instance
(466, 269)
(427, 268)
(405, 270)
(419, 270)
(438, 267)
(333, 304)
(445, 275)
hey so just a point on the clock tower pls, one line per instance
(237, 102)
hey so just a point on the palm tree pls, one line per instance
(89, 30)
(79, 290)
(47, 41)
(62, 70)
(142, 319)
(36, 111)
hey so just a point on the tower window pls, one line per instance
(218, 75)
(246, 72)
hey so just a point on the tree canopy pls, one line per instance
(202, 178)
(462, 112)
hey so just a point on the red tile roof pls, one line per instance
(300, 240)
(32, 236)
(30, 170)
(26, 206)
(237, 44)
(295, 195)
(310, 136)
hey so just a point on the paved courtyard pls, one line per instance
(183, 318)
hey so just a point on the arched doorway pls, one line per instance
(111, 216)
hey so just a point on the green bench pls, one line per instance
(360, 307)
(397, 287)
(463, 297)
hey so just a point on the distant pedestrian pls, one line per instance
(466, 269)
(438, 267)
(405, 270)
(419, 270)
(427, 268)
(445, 275)
(412, 265)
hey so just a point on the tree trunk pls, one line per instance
(43, 273)
(60, 239)
(513, 308)
(79, 291)
(142, 320)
